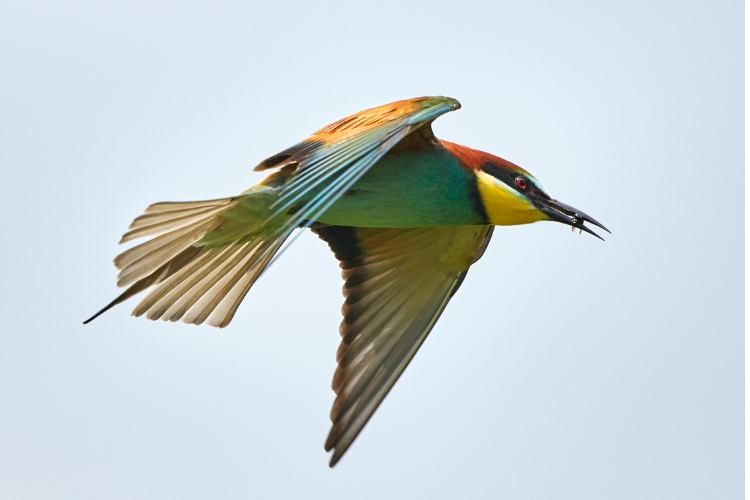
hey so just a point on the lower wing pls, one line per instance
(397, 283)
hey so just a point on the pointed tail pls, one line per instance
(201, 260)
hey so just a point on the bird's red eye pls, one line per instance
(521, 182)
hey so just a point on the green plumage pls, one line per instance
(249, 218)
(409, 189)
(406, 189)
(405, 213)
(381, 174)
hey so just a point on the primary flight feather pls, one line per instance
(405, 213)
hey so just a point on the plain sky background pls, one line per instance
(565, 368)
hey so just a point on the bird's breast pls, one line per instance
(410, 189)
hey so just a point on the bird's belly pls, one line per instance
(409, 189)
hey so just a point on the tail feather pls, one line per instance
(180, 206)
(202, 259)
(225, 310)
(166, 271)
(220, 303)
(172, 300)
(141, 261)
(164, 301)
(159, 223)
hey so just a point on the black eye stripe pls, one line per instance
(499, 173)
(506, 176)
(531, 190)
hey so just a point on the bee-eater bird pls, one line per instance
(405, 213)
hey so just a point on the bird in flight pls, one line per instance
(406, 214)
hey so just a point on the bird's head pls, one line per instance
(513, 196)
(510, 195)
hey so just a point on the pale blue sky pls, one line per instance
(565, 367)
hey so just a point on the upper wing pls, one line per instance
(398, 281)
(325, 165)
(194, 277)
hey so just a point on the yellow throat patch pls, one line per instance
(503, 204)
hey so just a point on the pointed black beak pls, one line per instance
(560, 212)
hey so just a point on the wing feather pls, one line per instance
(204, 256)
(308, 179)
(397, 283)
(330, 161)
